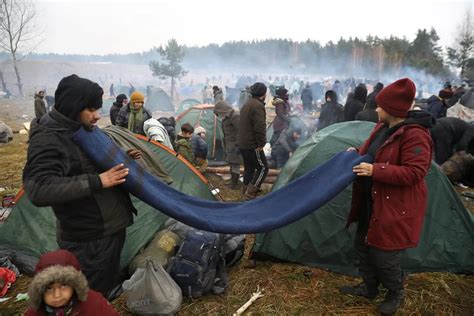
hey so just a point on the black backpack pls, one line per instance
(199, 266)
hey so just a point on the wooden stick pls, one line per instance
(255, 296)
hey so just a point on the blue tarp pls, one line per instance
(276, 209)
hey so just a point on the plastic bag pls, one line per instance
(7, 278)
(151, 291)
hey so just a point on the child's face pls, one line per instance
(58, 295)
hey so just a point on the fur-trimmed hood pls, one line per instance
(61, 274)
(57, 266)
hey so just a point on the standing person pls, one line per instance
(331, 112)
(307, 98)
(112, 91)
(371, 103)
(218, 94)
(355, 104)
(438, 105)
(184, 146)
(120, 102)
(40, 106)
(282, 110)
(251, 139)
(132, 89)
(60, 288)
(389, 197)
(134, 114)
(230, 128)
(91, 208)
(244, 97)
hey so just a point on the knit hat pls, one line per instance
(281, 92)
(137, 96)
(445, 93)
(75, 94)
(198, 130)
(258, 89)
(397, 98)
(57, 266)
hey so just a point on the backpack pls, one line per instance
(199, 266)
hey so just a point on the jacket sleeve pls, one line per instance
(45, 181)
(285, 145)
(260, 126)
(39, 108)
(122, 118)
(415, 161)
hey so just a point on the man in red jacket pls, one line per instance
(390, 196)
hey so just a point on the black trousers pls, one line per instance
(379, 266)
(99, 259)
(255, 166)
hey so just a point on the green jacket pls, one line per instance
(184, 148)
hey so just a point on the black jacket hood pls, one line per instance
(421, 118)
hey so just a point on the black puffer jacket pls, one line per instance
(449, 135)
(59, 174)
(355, 104)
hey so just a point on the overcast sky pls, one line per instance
(117, 26)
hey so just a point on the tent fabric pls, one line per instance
(187, 104)
(158, 100)
(296, 122)
(30, 230)
(320, 239)
(203, 115)
(149, 161)
(292, 202)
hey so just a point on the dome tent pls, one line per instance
(29, 231)
(321, 240)
(203, 115)
(159, 100)
(186, 104)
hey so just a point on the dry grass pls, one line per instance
(288, 288)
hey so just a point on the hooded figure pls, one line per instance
(60, 288)
(355, 104)
(437, 105)
(331, 111)
(120, 101)
(369, 113)
(230, 128)
(282, 110)
(307, 98)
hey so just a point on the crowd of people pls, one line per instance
(93, 210)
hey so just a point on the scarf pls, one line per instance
(136, 117)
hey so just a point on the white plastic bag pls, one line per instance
(151, 291)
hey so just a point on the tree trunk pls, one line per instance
(4, 84)
(172, 89)
(17, 72)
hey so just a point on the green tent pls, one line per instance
(203, 115)
(159, 100)
(31, 230)
(186, 104)
(320, 239)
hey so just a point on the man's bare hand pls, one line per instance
(113, 176)
(134, 154)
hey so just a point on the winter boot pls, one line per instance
(393, 301)
(251, 192)
(234, 181)
(363, 289)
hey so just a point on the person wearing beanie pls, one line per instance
(438, 105)
(282, 109)
(199, 145)
(91, 208)
(120, 101)
(251, 139)
(355, 104)
(60, 288)
(230, 127)
(134, 115)
(389, 197)
(332, 112)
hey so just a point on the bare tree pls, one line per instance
(464, 46)
(18, 32)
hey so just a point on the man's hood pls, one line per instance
(54, 122)
(223, 108)
(433, 98)
(419, 117)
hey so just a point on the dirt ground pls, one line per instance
(288, 288)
